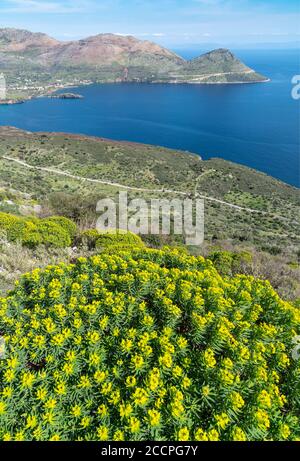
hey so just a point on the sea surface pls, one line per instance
(256, 125)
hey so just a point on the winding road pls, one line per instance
(140, 189)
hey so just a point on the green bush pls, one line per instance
(16, 232)
(7, 221)
(222, 261)
(31, 238)
(31, 232)
(94, 239)
(13, 226)
(118, 238)
(230, 263)
(89, 238)
(65, 223)
(47, 233)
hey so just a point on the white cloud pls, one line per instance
(41, 6)
(67, 35)
(144, 35)
(209, 2)
(121, 34)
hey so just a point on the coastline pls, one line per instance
(231, 83)
(11, 102)
(49, 94)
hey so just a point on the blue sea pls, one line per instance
(256, 125)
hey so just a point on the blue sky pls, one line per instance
(169, 22)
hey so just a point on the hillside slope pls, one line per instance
(220, 66)
(63, 171)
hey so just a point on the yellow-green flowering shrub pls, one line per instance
(118, 238)
(9, 223)
(145, 345)
(65, 223)
(47, 233)
(228, 262)
(94, 239)
(55, 231)
(7, 220)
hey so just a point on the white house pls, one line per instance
(2, 87)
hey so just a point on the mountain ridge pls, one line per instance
(35, 64)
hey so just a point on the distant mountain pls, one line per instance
(221, 66)
(101, 50)
(221, 60)
(38, 60)
(15, 40)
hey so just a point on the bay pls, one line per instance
(256, 125)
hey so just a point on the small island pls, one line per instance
(65, 96)
(10, 102)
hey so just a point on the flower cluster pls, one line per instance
(147, 345)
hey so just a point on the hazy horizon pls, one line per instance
(171, 23)
(204, 46)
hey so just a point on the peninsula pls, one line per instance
(35, 64)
